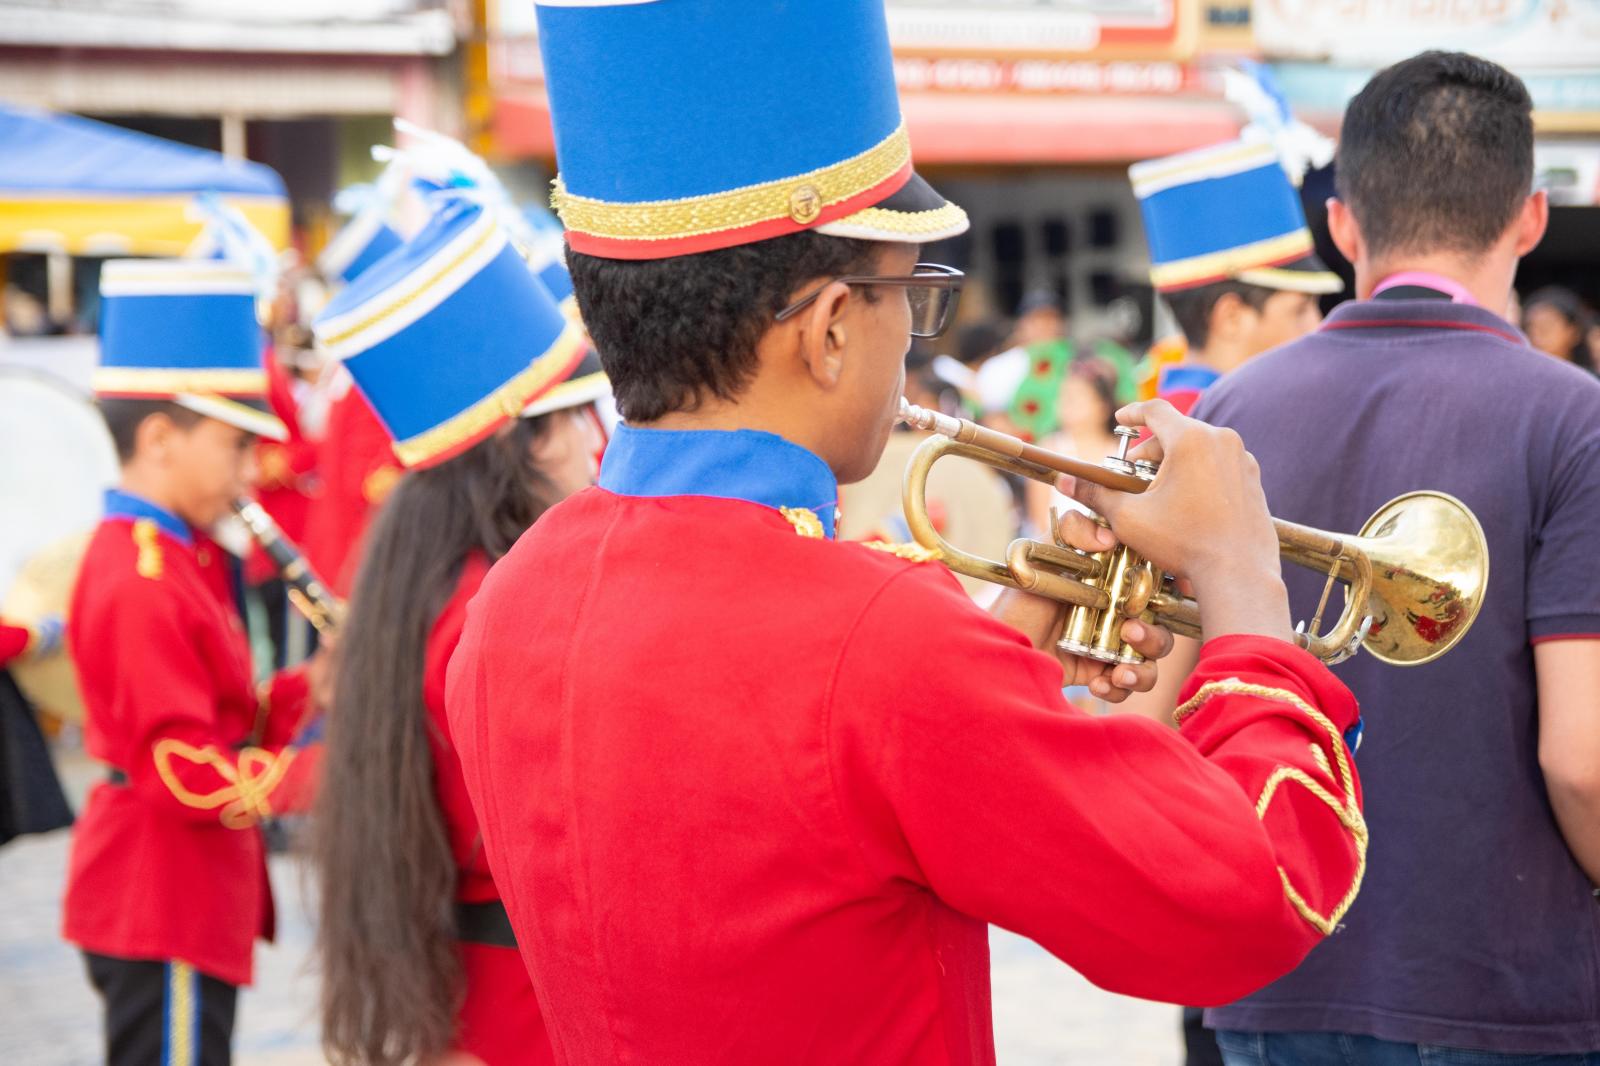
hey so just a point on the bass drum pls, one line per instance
(56, 461)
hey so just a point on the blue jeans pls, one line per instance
(1345, 1049)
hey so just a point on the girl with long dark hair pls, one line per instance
(418, 960)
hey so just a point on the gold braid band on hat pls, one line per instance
(799, 198)
(1201, 268)
(138, 381)
(508, 401)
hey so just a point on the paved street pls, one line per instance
(1044, 1013)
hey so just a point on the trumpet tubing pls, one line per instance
(1415, 575)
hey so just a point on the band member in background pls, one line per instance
(1476, 926)
(167, 887)
(417, 955)
(1231, 255)
(751, 794)
(355, 463)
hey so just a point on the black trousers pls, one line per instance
(163, 1013)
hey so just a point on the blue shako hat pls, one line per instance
(365, 239)
(1227, 212)
(723, 122)
(185, 330)
(450, 335)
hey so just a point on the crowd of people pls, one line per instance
(655, 741)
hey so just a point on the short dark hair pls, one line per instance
(125, 416)
(1436, 154)
(675, 332)
(1192, 307)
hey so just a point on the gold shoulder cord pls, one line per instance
(804, 520)
(1345, 808)
(147, 538)
(909, 551)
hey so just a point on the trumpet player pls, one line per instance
(751, 794)
(167, 885)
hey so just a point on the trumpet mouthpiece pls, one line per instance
(932, 421)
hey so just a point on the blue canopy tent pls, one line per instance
(75, 186)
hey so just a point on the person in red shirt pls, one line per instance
(417, 955)
(753, 795)
(167, 882)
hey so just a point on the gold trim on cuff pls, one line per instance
(769, 201)
(1346, 809)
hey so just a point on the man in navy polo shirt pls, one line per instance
(1477, 927)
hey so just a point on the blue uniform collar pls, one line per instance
(740, 464)
(121, 504)
(1195, 376)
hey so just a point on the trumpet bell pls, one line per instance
(1430, 573)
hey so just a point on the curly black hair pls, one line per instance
(673, 333)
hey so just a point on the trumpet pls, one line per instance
(305, 589)
(1414, 577)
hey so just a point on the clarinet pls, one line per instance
(306, 591)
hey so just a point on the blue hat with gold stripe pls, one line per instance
(1227, 212)
(450, 335)
(185, 330)
(723, 122)
(365, 239)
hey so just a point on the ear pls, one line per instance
(1227, 317)
(1531, 222)
(153, 437)
(1343, 229)
(824, 335)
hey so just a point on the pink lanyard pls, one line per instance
(1423, 279)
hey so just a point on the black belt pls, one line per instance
(485, 923)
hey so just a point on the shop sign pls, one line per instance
(1012, 27)
(948, 74)
(1521, 33)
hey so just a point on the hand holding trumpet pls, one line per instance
(1203, 519)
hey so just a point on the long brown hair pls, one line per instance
(391, 977)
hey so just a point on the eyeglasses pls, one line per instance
(931, 293)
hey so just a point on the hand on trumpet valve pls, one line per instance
(1041, 619)
(1204, 519)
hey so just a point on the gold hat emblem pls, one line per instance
(805, 204)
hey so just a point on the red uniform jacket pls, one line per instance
(285, 469)
(170, 865)
(358, 466)
(499, 1020)
(753, 796)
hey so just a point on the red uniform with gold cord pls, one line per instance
(752, 795)
(166, 860)
(167, 880)
(748, 758)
